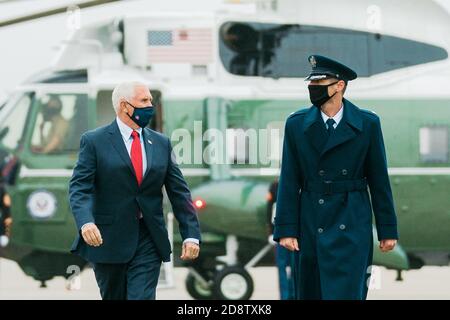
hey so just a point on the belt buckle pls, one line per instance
(328, 188)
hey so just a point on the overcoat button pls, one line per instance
(321, 173)
(320, 230)
(321, 201)
(342, 226)
(344, 172)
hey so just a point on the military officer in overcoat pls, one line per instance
(333, 155)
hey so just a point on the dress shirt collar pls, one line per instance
(337, 117)
(125, 130)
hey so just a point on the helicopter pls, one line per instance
(223, 85)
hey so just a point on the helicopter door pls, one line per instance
(106, 113)
(217, 123)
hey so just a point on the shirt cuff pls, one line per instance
(196, 241)
(84, 225)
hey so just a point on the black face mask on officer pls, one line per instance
(318, 94)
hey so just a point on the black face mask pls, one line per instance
(318, 94)
(142, 116)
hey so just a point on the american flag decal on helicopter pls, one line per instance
(180, 46)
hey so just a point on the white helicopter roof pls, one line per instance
(95, 47)
(419, 20)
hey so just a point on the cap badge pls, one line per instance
(312, 61)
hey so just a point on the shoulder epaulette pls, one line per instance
(298, 113)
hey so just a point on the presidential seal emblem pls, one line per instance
(41, 204)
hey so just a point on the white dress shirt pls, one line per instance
(337, 117)
(126, 131)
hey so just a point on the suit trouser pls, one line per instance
(135, 280)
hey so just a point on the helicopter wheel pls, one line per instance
(233, 283)
(196, 289)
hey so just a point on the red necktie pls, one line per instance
(136, 156)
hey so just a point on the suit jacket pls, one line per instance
(104, 190)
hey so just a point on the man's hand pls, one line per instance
(190, 251)
(387, 244)
(91, 235)
(290, 244)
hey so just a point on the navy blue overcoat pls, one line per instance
(323, 200)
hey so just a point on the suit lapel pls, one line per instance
(315, 129)
(148, 144)
(342, 134)
(347, 129)
(119, 145)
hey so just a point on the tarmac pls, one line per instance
(424, 284)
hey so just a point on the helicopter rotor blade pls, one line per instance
(55, 11)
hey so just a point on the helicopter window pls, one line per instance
(273, 50)
(105, 110)
(68, 76)
(61, 120)
(434, 144)
(12, 126)
(255, 131)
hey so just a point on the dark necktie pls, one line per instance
(330, 123)
(136, 156)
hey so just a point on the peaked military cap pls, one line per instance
(324, 68)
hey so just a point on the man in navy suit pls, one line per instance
(116, 198)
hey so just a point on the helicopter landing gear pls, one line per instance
(233, 283)
(226, 281)
(198, 287)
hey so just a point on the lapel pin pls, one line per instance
(149, 141)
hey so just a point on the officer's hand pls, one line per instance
(387, 244)
(190, 251)
(290, 244)
(91, 235)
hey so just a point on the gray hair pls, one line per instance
(124, 91)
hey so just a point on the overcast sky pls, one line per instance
(29, 47)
